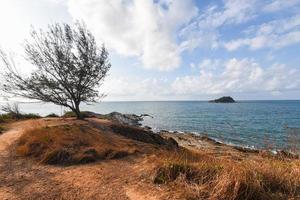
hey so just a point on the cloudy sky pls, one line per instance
(178, 49)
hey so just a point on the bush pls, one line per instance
(70, 114)
(30, 116)
(5, 117)
(52, 115)
(10, 117)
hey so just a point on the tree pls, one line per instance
(70, 67)
(13, 110)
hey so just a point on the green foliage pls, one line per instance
(10, 117)
(84, 114)
(52, 115)
(30, 116)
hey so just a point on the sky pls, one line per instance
(177, 49)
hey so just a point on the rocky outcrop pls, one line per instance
(226, 99)
(128, 119)
(143, 135)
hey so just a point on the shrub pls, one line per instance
(52, 115)
(72, 114)
(11, 116)
(2, 129)
(30, 116)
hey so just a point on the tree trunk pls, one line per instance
(77, 112)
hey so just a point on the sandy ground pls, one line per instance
(112, 179)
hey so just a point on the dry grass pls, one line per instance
(203, 176)
(72, 144)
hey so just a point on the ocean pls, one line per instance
(258, 124)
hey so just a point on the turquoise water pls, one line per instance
(251, 123)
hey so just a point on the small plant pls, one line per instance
(2, 129)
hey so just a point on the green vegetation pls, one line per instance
(11, 117)
(83, 114)
(52, 115)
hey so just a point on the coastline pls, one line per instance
(194, 141)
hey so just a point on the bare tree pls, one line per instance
(70, 67)
(12, 109)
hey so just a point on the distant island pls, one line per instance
(225, 99)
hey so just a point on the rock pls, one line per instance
(147, 128)
(142, 135)
(172, 143)
(287, 154)
(226, 99)
(245, 149)
(128, 119)
(208, 139)
(92, 152)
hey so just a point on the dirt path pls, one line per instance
(123, 179)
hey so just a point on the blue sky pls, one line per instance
(175, 49)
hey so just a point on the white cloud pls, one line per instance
(157, 32)
(211, 64)
(16, 18)
(273, 34)
(277, 5)
(216, 77)
(239, 76)
(233, 12)
(139, 28)
(135, 88)
(204, 31)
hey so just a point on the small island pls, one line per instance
(225, 99)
